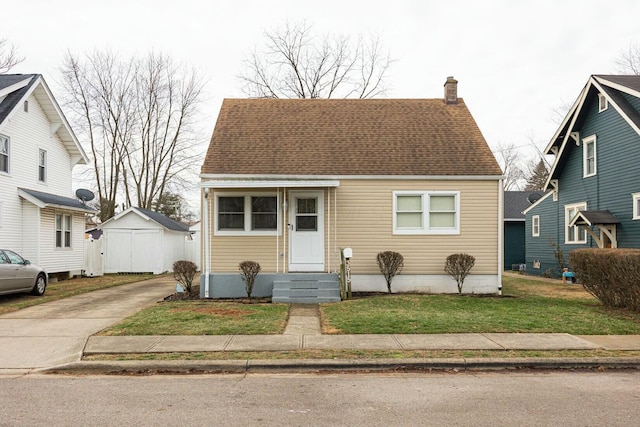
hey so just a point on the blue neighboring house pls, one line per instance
(515, 202)
(593, 189)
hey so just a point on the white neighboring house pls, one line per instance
(39, 216)
(142, 241)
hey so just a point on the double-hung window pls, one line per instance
(535, 226)
(246, 214)
(42, 165)
(426, 212)
(589, 156)
(63, 231)
(574, 234)
(4, 154)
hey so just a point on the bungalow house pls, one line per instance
(515, 202)
(39, 216)
(288, 183)
(593, 197)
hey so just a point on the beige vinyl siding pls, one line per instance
(365, 223)
(364, 212)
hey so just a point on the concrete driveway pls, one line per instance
(56, 332)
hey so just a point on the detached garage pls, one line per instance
(142, 241)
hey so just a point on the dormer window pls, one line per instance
(603, 104)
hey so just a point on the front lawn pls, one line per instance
(204, 318)
(527, 305)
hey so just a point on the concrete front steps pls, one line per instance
(306, 288)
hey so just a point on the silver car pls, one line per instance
(19, 275)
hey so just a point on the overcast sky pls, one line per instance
(516, 61)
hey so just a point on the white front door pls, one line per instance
(306, 219)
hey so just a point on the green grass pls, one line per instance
(204, 318)
(527, 305)
(68, 288)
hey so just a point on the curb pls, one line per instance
(146, 367)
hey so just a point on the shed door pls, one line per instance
(133, 251)
(306, 218)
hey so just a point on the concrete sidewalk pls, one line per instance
(219, 343)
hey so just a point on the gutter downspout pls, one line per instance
(207, 241)
(500, 233)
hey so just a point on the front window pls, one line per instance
(254, 213)
(574, 234)
(535, 225)
(63, 231)
(4, 154)
(42, 166)
(435, 212)
(589, 156)
(264, 213)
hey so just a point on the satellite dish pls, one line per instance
(84, 195)
(534, 197)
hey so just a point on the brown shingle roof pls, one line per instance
(347, 137)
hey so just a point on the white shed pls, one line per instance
(142, 241)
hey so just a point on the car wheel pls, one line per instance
(40, 286)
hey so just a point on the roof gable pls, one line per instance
(347, 137)
(18, 87)
(146, 214)
(612, 88)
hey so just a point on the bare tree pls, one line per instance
(629, 61)
(510, 162)
(297, 64)
(138, 118)
(8, 56)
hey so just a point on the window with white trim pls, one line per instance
(636, 205)
(42, 165)
(63, 231)
(4, 154)
(426, 212)
(589, 156)
(535, 225)
(255, 213)
(603, 104)
(575, 234)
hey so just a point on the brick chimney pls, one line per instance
(451, 91)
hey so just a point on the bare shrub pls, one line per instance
(184, 272)
(611, 275)
(390, 264)
(458, 266)
(248, 271)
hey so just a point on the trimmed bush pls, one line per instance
(458, 266)
(390, 264)
(611, 275)
(248, 271)
(184, 272)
